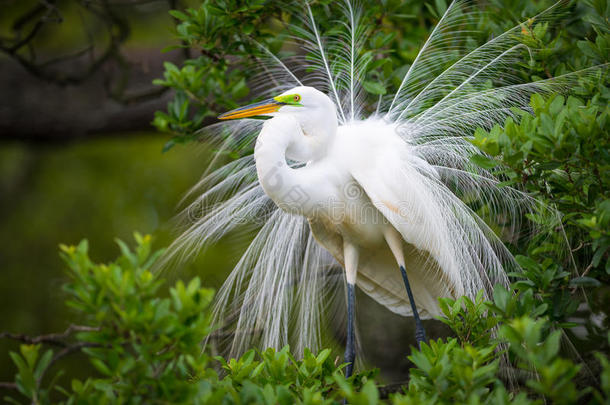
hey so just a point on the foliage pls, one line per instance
(226, 35)
(554, 374)
(558, 152)
(560, 155)
(467, 319)
(144, 346)
(218, 31)
(447, 373)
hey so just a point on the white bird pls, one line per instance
(384, 194)
(363, 192)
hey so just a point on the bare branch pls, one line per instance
(8, 385)
(55, 339)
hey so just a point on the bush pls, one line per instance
(146, 348)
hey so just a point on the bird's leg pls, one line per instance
(350, 254)
(420, 333)
(350, 350)
(394, 240)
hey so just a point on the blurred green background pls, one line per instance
(100, 189)
(78, 157)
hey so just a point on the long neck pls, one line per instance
(281, 183)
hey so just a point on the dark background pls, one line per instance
(78, 157)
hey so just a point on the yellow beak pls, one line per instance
(264, 107)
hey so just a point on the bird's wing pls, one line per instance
(391, 184)
(432, 273)
(448, 252)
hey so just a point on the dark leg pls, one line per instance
(420, 333)
(350, 349)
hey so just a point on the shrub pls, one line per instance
(145, 347)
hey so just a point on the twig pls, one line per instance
(589, 267)
(55, 339)
(64, 352)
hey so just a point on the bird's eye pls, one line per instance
(296, 98)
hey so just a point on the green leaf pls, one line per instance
(585, 282)
(484, 161)
(43, 364)
(168, 145)
(178, 15)
(374, 87)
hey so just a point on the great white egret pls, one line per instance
(388, 195)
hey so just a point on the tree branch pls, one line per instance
(55, 339)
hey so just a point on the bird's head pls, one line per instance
(307, 104)
(311, 108)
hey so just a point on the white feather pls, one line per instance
(410, 161)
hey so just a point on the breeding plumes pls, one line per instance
(386, 195)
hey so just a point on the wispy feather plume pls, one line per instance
(318, 49)
(277, 292)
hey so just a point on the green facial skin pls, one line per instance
(289, 99)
